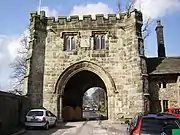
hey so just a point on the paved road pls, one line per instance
(80, 128)
(90, 114)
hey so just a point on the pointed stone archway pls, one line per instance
(86, 69)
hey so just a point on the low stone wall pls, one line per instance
(13, 109)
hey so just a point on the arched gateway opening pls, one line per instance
(72, 100)
(74, 82)
(95, 104)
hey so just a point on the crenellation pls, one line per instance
(99, 16)
(112, 15)
(50, 20)
(42, 14)
(87, 19)
(87, 16)
(112, 18)
(33, 14)
(62, 20)
(74, 18)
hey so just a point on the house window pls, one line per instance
(159, 85)
(165, 105)
(99, 42)
(69, 43)
(164, 84)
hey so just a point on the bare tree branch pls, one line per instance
(130, 5)
(19, 65)
(119, 6)
(24, 46)
(145, 29)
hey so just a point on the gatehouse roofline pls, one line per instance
(111, 18)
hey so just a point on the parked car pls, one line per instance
(40, 118)
(174, 111)
(153, 124)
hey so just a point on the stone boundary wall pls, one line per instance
(13, 109)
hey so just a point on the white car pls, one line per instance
(40, 118)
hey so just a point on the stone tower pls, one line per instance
(69, 55)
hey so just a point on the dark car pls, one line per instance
(153, 124)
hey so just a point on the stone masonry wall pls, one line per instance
(35, 61)
(121, 58)
(170, 93)
(13, 110)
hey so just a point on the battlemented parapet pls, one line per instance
(73, 22)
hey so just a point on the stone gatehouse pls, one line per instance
(68, 56)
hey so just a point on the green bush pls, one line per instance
(102, 109)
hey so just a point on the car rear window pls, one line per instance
(155, 125)
(176, 111)
(35, 113)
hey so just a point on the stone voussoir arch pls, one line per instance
(81, 66)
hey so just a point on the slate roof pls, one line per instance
(168, 65)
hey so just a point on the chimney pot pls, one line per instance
(159, 23)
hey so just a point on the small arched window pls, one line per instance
(164, 84)
(97, 42)
(100, 42)
(72, 43)
(69, 43)
(66, 43)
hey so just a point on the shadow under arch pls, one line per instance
(80, 66)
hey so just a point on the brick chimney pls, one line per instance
(160, 40)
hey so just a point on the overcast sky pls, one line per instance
(15, 20)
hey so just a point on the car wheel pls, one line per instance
(46, 126)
